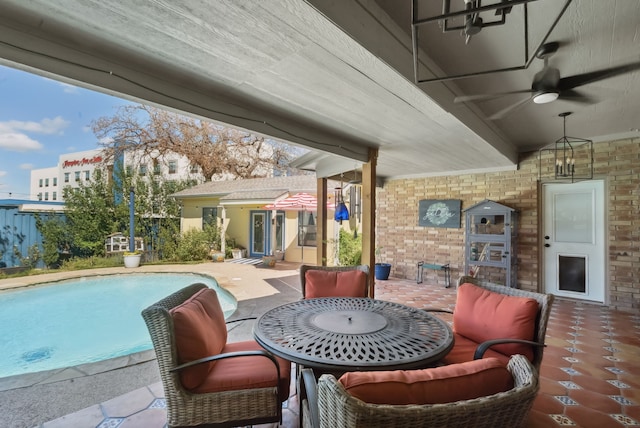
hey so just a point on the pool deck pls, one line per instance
(46, 399)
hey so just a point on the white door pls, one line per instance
(574, 240)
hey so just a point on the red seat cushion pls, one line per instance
(246, 372)
(445, 384)
(465, 348)
(481, 315)
(200, 331)
(323, 283)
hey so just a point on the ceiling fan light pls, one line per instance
(545, 97)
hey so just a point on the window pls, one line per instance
(55, 181)
(46, 182)
(55, 196)
(156, 167)
(307, 228)
(66, 177)
(40, 183)
(39, 196)
(173, 167)
(87, 175)
(193, 169)
(143, 170)
(209, 216)
(77, 175)
(46, 196)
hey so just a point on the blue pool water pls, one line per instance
(84, 320)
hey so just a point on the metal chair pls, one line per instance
(227, 406)
(328, 405)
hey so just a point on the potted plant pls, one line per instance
(269, 261)
(132, 258)
(382, 270)
(238, 252)
(216, 255)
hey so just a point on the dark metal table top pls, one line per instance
(346, 333)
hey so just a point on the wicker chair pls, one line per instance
(328, 405)
(305, 268)
(226, 408)
(544, 310)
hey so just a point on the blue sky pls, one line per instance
(41, 119)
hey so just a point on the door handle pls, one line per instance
(546, 237)
(547, 245)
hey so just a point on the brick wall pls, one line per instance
(404, 243)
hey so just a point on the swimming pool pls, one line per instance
(84, 320)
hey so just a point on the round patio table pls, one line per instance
(347, 334)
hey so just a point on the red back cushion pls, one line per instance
(446, 384)
(482, 315)
(323, 283)
(200, 331)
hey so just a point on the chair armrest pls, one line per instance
(309, 389)
(482, 348)
(230, 355)
(446, 311)
(240, 319)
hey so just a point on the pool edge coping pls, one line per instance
(26, 380)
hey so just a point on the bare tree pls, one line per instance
(218, 151)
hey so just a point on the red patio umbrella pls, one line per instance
(298, 202)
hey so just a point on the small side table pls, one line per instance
(445, 268)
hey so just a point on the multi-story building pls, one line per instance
(47, 184)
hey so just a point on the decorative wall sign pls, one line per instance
(439, 213)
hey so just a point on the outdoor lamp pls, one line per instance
(342, 213)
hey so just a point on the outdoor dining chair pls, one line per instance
(498, 321)
(334, 281)
(489, 393)
(207, 381)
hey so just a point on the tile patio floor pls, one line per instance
(590, 375)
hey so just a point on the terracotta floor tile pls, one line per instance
(596, 385)
(588, 418)
(547, 403)
(596, 401)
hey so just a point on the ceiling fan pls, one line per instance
(548, 86)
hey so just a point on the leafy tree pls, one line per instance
(55, 240)
(100, 207)
(219, 152)
(91, 214)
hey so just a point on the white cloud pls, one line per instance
(45, 126)
(15, 142)
(27, 166)
(69, 89)
(3, 173)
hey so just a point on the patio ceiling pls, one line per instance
(335, 77)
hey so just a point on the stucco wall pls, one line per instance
(404, 243)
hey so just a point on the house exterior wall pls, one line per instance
(238, 227)
(404, 243)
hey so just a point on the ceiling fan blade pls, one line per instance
(576, 96)
(485, 97)
(571, 82)
(510, 109)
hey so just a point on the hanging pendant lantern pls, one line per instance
(572, 157)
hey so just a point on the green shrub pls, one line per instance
(193, 245)
(349, 249)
